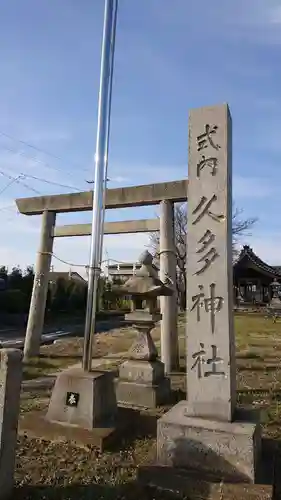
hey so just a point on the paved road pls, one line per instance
(13, 338)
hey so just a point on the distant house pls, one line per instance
(252, 277)
(54, 276)
(125, 270)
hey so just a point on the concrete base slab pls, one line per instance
(193, 485)
(229, 449)
(137, 395)
(35, 425)
(83, 399)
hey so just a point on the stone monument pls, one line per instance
(10, 387)
(206, 432)
(142, 382)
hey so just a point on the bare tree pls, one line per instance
(240, 227)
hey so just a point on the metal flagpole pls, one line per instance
(111, 66)
(99, 184)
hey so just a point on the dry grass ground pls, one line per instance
(69, 351)
(61, 471)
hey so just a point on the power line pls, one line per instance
(40, 150)
(8, 207)
(86, 266)
(22, 175)
(11, 218)
(33, 158)
(38, 160)
(18, 181)
(9, 184)
(50, 182)
(47, 165)
(71, 264)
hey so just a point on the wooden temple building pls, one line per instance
(252, 277)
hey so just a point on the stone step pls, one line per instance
(190, 483)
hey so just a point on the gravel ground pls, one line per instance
(61, 471)
(55, 470)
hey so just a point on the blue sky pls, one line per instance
(170, 56)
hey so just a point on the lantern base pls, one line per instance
(142, 384)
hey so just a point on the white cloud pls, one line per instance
(274, 15)
(54, 177)
(120, 179)
(240, 12)
(254, 21)
(253, 187)
(40, 138)
(21, 235)
(267, 247)
(144, 173)
(267, 103)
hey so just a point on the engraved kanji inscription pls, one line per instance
(208, 259)
(207, 238)
(201, 363)
(199, 357)
(210, 256)
(213, 362)
(207, 162)
(206, 139)
(203, 208)
(211, 304)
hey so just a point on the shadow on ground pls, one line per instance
(38, 369)
(142, 426)
(271, 463)
(189, 485)
(131, 491)
(62, 356)
(262, 368)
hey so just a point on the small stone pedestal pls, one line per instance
(142, 382)
(84, 399)
(82, 409)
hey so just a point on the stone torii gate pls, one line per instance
(165, 194)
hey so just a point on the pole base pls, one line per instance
(83, 399)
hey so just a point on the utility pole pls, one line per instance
(102, 144)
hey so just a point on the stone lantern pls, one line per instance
(274, 307)
(142, 382)
(275, 298)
